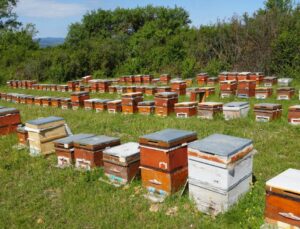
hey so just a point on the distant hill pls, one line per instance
(50, 41)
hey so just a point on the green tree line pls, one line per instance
(154, 40)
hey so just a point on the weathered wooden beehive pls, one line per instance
(42, 132)
(165, 102)
(265, 112)
(220, 171)
(235, 110)
(186, 109)
(263, 92)
(208, 110)
(121, 163)
(294, 115)
(246, 88)
(9, 120)
(285, 93)
(146, 107)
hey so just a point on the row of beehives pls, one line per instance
(218, 168)
(163, 105)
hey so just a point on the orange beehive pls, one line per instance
(202, 79)
(186, 109)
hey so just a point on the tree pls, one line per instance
(8, 19)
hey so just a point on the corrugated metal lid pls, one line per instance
(220, 144)
(45, 120)
(97, 140)
(288, 181)
(236, 104)
(169, 135)
(124, 150)
(4, 111)
(73, 138)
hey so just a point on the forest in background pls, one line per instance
(154, 40)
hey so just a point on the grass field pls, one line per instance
(35, 194)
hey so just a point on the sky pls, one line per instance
(52, 17)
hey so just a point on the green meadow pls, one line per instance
(36, 194)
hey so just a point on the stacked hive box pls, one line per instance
(220, 171)
(179, 86)
(150, 90)
(228, 88)
(112, 89)
(164, 103)
(284, 82)
(211, 81)
(147, 79)
(263, 92)
(197, 95)
(232, 75)
(202, 79)
(63, 88)
(77, 99)
(94, 85)
(88, 152)
(56, 102)
(285, 93)
(103, 85)
(46, 101)
(222, 76)
(42, 132)
(121, 163)
(114, 106)
(129, 79)
(283, 200)
(66, 103)
(64, 149)
(165, 78)
(243, 76)
(164, 160)
(163, 89)
(140, 89)
(257, 76)
(101, 104)
(235, 110)
(130, 89)
(22, 135)
(265, 112)
(72, 85)
(130, 102)
(90, 104)
(294, 115)
(146, 107)
(121, 89)
(9, 120)
(246, 88)
(208, 110)
(186, 109)
(269, 81)
(138, 79)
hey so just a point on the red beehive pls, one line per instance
(90, 104)
(265, 112)
(79, 88)
(228, 85)
(179, 86)
(130, 89)
(164, 159)
(212, 81)
(112, 89)
(29, 100)
(197, 95)
(88, 152)
(165, 78)
(94, 85)
(243, 76)
(223, 76)
(150, 90)
(114, 106)
(53, 87)
(246, 88)
(38, 101)
(130, 102)
(208, 110)
(140, 89)
(147, 79)
(155, 81)
(294, 115)
(263, 92)
(208, 90)
(232, 75)
(72, 85)
(257, 76)
(166, 99)
(285, 93)
(138, 79)
(22, 135)
(163, 89)
(269, 81)
(87, 89)
(104, 85)
(101, 104)
(62, 88)
(9, 120)
(121, 89)
(46, 101)
(23, 84)
(186, 109)
(66, 103)
(77, 99)
(202, 79)
(146, 107)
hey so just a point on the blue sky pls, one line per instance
(52, 17)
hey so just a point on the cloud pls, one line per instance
(49, 9)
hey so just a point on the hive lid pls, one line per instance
(287, 181)
(5, 111)
(124, 150)
(42, 121)
(291, 107)
(166, 94)
(115, 101)
(270, 77)
(103, 100)
(169, 135)
(210, 103)
(221, 145)
(91, 100)
(146, 103)
(80, 93)
(97, 140)
(267, 105)
(244, 73)
(212, 78)
(71, 139)
(236, 104)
